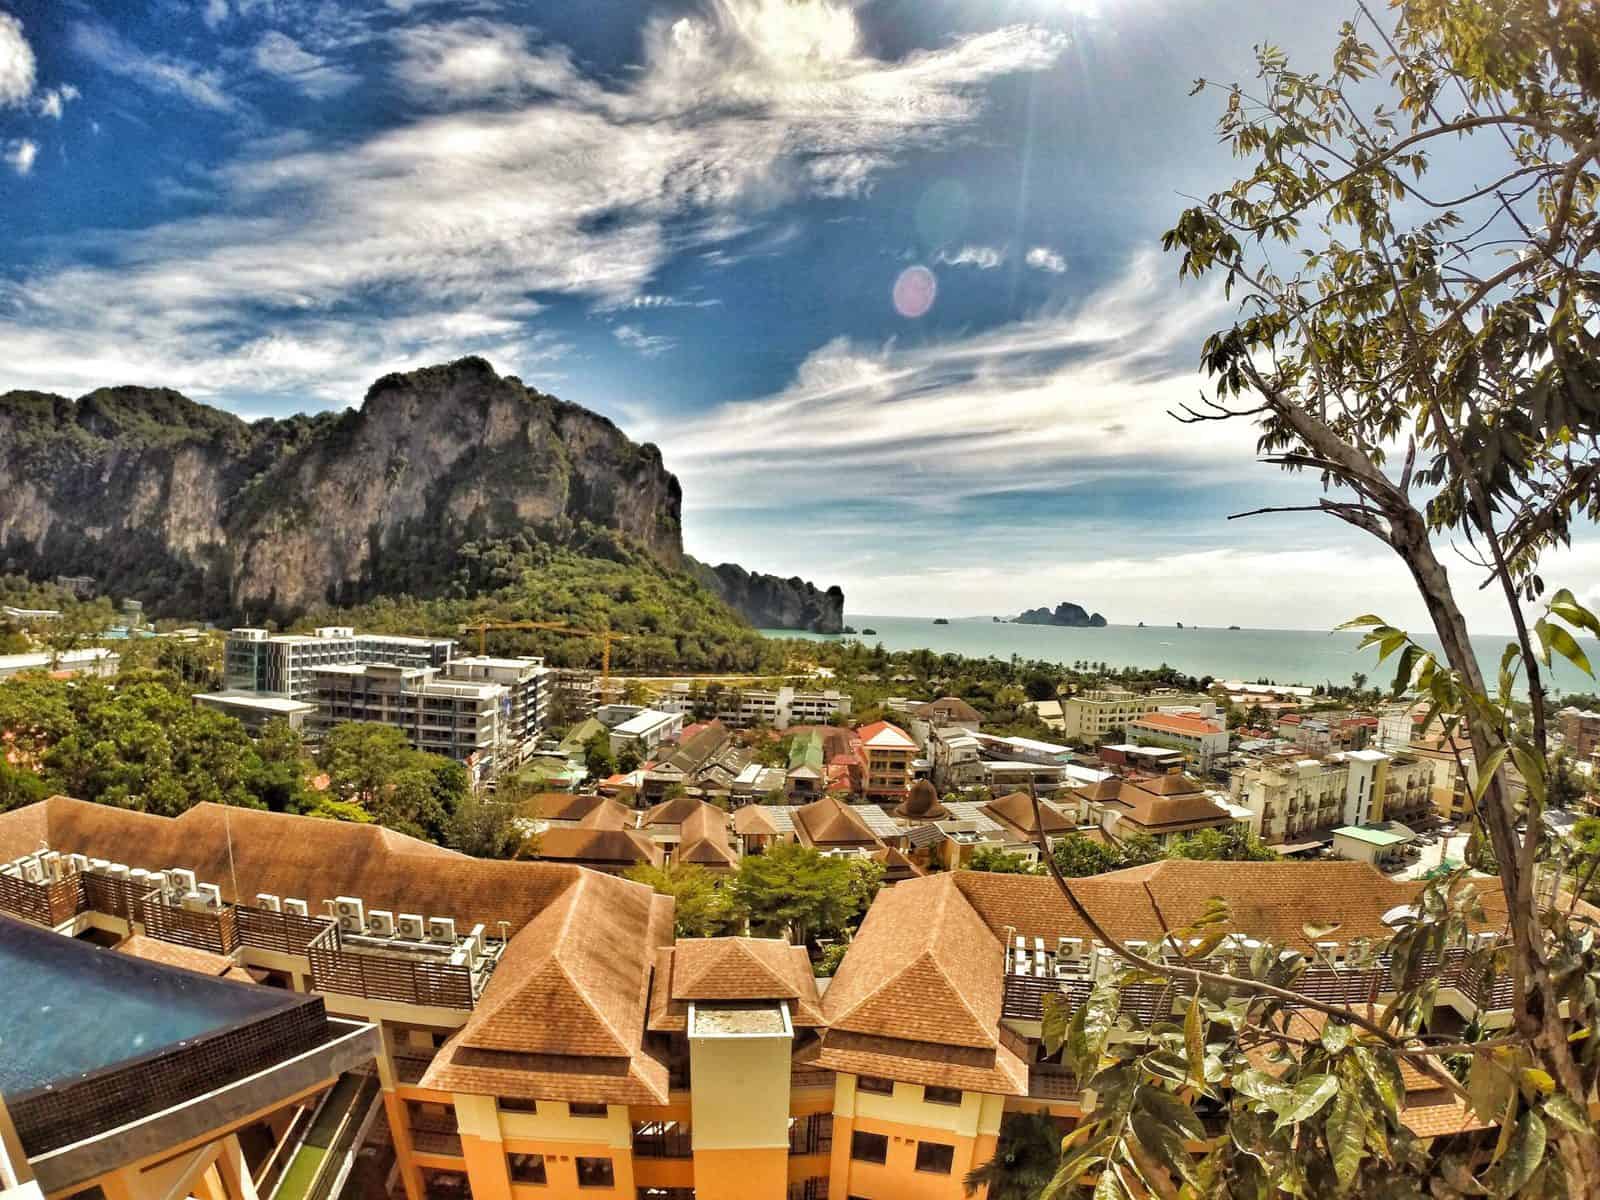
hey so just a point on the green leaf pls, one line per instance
(1361, 622)
(1487, 770)
(1065, 1180)
(1346, 1133)
(1565, 605)
(1195, 1042)
(1170, 1110)
(1522, 1157)
(1316, 931)
(1489, 1087)
(1531, 766)
(1109, 1186)
(1335, 1036)
(1566, 1111)
(1055, 1020)
(1163, 1144)
(1304, 1099)
(1384, 1076)
(1540, 1081)
(1563, 643)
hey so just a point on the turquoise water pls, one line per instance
(1285, 656)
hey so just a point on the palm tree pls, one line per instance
(1025, 1159)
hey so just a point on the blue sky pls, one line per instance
(693, 217)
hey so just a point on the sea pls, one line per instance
(1286, 657)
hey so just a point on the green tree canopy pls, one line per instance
(701, 908)
(796, 890)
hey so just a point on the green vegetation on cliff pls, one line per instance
(672, 622)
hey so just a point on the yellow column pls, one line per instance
(234, 1171)
(394, 1109)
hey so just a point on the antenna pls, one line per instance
(227, 829)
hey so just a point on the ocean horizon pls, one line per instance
(1287, 657)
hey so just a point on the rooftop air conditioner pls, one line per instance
(196, 901)
(143, 880)
(475, 936)
(380, 923)
(98, 864)
(269, 902)
(119, 871)
(79, 862)
(32, 870)
(295, 908)
(212, 893)
(351, 912)
(409, 926)
(179, 879)
(441, 929)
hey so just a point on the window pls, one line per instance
(941, 1095)
(514, 1104)
(526, 1168)
(587, 1110)
(876, 1084)
(935, 1157)
(869, 1147)
(595, 1172)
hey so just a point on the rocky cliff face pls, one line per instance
(198, 512)
(769, 602)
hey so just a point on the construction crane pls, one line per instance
(605, 635)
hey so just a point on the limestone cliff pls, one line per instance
(1066, 613)
(770, 602)
(200, 513)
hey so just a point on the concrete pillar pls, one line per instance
(483, 1148)
(394, 1109)
(234, 1171)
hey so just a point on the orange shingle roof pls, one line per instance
(607, 847)
(881, 735)
(829, 822)
(1177, 723)
(923, 967)
(1016, 810)
(704, 838)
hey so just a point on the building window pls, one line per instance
(869, 1147)
(942, 1095)
(876, 1084)
(935, 1157)
(515, 1104)
(595, 1172)
(526, 1168)
(586, 1110)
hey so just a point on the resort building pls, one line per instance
(1580, 731)
(254, 709)
(638, 729)
(286, 664)
(93, 660)
(460, 720)
(1162, 807)
(1201, 740)
(1290, 797)
(1095, 715)
(540, 1034)
(743, 708)
(885, 753)
(527, 684)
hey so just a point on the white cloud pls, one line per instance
(53, 101)
(636, 339)
(1059, 400)
(214, 13)
(17, 64)
(985, 258)
(19, 155)
(551, 183)
(1042, 258)
(280, 55)
(159, 72)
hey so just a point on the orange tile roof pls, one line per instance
(881, 735)
(1016, 811)
(923, 967)
(704, 839)
(601, 847)
(1176, 723)
(155, 950)
(829, 822)
(698, 969)
(998, 1071)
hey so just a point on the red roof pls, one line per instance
(1176, 724)
(1289, 719)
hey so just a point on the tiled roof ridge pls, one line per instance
(960, 993)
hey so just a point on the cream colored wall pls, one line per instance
(978, 1113)
(552, 1123)
(740, 1097)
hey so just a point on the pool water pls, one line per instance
(71, 1008)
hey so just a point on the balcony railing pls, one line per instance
(812, 1134)
(433, 1141)
(213, 929)
(662, 1139)
(48, 903)
(375, 975)
(286, 933)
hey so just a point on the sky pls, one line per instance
(882, 279)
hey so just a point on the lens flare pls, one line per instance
(914, 292)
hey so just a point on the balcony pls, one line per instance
(811, 1134)
(662, 1139)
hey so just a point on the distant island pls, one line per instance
(1065, 613)
(941, 620)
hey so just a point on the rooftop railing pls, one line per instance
(379, 975)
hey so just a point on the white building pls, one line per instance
(527, 680)
(642, 729)
(286, 664)
(254, 710)
(1201, 740)
(94, 660)
(462, 720)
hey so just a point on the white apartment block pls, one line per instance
(1291, 796)
(469, 721)
(286, 664)
(527, 680)
(741, 708)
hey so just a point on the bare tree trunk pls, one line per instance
(1538, 1010)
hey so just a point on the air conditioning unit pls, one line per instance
(269, 902)
(409, 926)
(196, 901)
(80, 862)
(351, 912)
(380, 923)
(119, 871)
(295, 908)
(467, 952)
(179, 879)
(98, 864)
(143, 880)
(476, 938)
(441, 929)
(212, 893)
(1069, 949)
